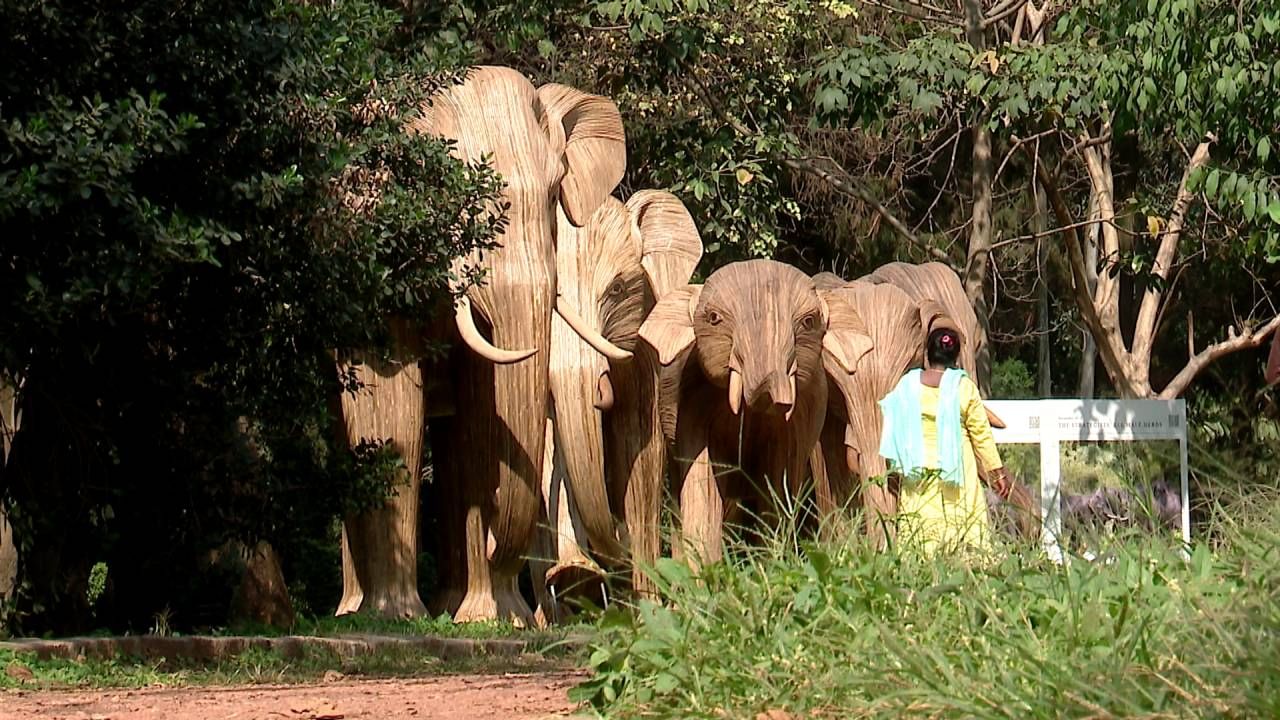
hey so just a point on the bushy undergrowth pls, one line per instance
(833, 629)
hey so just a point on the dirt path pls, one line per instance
(451, 697)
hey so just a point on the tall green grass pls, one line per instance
(834, 629)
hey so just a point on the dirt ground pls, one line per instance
(450, 697)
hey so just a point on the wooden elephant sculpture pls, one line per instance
(607, 459)
(561, 153)
(745, 363)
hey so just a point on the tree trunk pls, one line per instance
(1088, 348)
(1044, 367)
(380, 547)
(975, 269)
(8, 550)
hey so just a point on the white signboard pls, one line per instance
(1049, 422)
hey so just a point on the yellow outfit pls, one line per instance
(933, 514)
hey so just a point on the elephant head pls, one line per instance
(560, 152)
(609, 272)
(937, 289)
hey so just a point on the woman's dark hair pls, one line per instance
(943, 348)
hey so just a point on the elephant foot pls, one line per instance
(501, 603)
(350, 603)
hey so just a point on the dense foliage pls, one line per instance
(833, 629)
(196, 207)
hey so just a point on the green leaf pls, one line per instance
(665, 683)
(1211, 185)
(1180, 84)
(1264, 149)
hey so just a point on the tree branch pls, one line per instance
(1054, 231)
(1106, 295)
(1144, 328)
(1002, 10)
(846, 187)
(1233, 343)
(1111, 354)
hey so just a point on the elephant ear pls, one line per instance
(589, 130)
(670, 246)
(669, 327)
(847, 339)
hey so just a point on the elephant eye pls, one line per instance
(616, 289)
(809, 322)
(714, 317)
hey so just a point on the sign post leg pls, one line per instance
(1186, 494)
(1050, 502)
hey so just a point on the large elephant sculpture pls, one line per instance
(561, 153)
(745, 362)
(609, 457)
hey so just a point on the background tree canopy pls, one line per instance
(187, 231)
(186, 207)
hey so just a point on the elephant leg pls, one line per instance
(832, 478)
(472, 453)
(702, 505)
(380, 547)
(544, 551)
(880, 506)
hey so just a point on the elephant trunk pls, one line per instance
(580, 387)
(520, 309)
(590, 335)
(768, 386)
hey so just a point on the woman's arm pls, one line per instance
(974, 416)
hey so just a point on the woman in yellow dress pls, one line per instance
(936, 437)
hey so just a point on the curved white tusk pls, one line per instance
(593, 338)
(735, 391)
(466, 323)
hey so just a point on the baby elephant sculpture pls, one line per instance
(743, 395)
